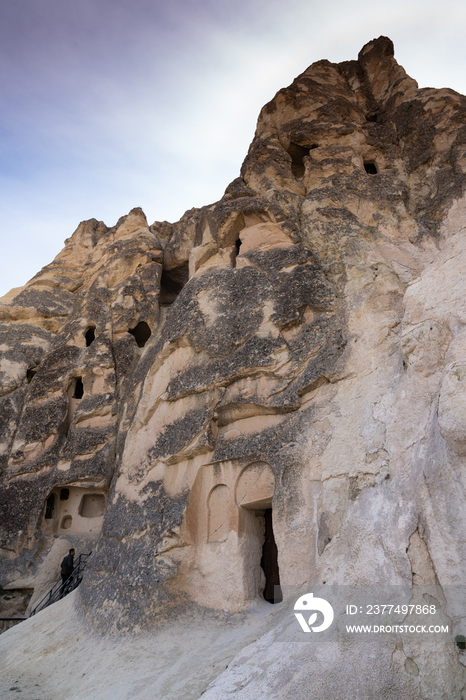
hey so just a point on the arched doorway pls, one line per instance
(254, 493)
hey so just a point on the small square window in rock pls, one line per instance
(89, 336)
(92, 505)
(64, 494)
(66, 522)
(370, 168)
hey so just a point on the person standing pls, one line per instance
(67, 567)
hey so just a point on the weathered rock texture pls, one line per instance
(299, 345)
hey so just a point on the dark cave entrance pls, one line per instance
(236, 251)
(78, 389)
(269, 563)
(141, 333)
(298, 153)
(75, 392)
(172, 282)
(89, 336)
(370, 168)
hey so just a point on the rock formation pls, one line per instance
(292, 356)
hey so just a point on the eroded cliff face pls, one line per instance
(298, 347)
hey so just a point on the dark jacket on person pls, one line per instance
(67, 565)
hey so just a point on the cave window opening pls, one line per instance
(78, 389)
(172, 282)
(92, 505)
(370, 168)
(90, 336)
(236, 251)
(49, 507)
(141, 333)
(66, 522)
(372, 117)
(75, 392)
(298, 153)
(269, 563)
(30, 374)
(64, 494)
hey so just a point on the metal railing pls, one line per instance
(60, 589)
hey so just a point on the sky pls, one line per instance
(112, 104)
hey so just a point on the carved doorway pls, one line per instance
(269, 563)
(254, 495)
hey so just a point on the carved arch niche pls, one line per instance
(218, 508)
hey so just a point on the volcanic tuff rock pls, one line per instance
(298, 346)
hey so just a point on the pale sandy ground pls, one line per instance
(54, 656)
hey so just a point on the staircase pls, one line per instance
(60, 590)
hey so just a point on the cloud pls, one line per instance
(110, 104)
